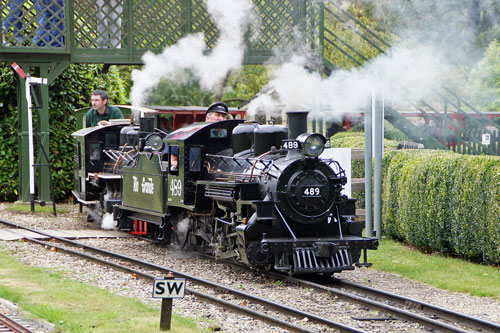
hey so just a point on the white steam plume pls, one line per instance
(108, 222)
(452, 25)
(404, 73)
(435, 35)
(189, 53)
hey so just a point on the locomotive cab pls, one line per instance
(156, 195)
(193, 143)
(95, 167)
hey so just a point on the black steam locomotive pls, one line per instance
(257, 193)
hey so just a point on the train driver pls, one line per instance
(215, 112)
(101, 112)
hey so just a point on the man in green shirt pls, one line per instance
(101, 112)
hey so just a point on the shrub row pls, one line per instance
(444, 202)
(437, 200)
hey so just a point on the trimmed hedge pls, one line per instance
(437, 200)
(440, 201)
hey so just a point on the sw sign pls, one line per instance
(169, 288)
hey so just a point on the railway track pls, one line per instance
(395, 307)
(401, 307)
(124, 263)
(9, 325)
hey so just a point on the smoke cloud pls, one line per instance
(433, 37)
(452, 26)
(404, 73)
(191, 54)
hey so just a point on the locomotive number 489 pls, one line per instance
(291, 145)
(312, 191)
(176, 187)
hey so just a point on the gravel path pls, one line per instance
(213, 317)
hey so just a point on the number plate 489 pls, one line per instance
(311, 191)
(176, 187)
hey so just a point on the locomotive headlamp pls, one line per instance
(154, 141)
(312, 144)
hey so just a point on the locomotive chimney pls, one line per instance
(297, 123)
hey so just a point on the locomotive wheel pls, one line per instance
(259, 257)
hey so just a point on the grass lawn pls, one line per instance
(26, 207)
(76, 307)
(452, 274)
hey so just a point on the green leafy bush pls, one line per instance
(8, 135)
(436, 200)
(186, 93)
(70, 91)
(440, 201)
(484, 81)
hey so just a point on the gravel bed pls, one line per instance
(213, 317)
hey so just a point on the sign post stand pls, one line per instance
(30, 83)
(166, 314)
(168, 289)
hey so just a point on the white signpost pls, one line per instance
(168, 289)
(30, 81)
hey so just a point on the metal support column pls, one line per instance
(378, 120)
(368, 168)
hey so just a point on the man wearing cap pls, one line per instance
(216, 112)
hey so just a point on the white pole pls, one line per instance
(30, 137)
(29, 81)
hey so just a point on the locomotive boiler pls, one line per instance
(260, 194)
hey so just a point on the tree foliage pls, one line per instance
(240, 86)
(173, 93)
(245, 83)
(484, 82)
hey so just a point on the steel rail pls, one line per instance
(441, 312)
(275, 306)
(201, 295)
(270, 304)
(432, 310)
(11, 325)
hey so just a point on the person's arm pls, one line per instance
(87, 119)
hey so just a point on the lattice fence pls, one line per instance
(33, 23)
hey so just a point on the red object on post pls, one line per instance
(19, 70)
